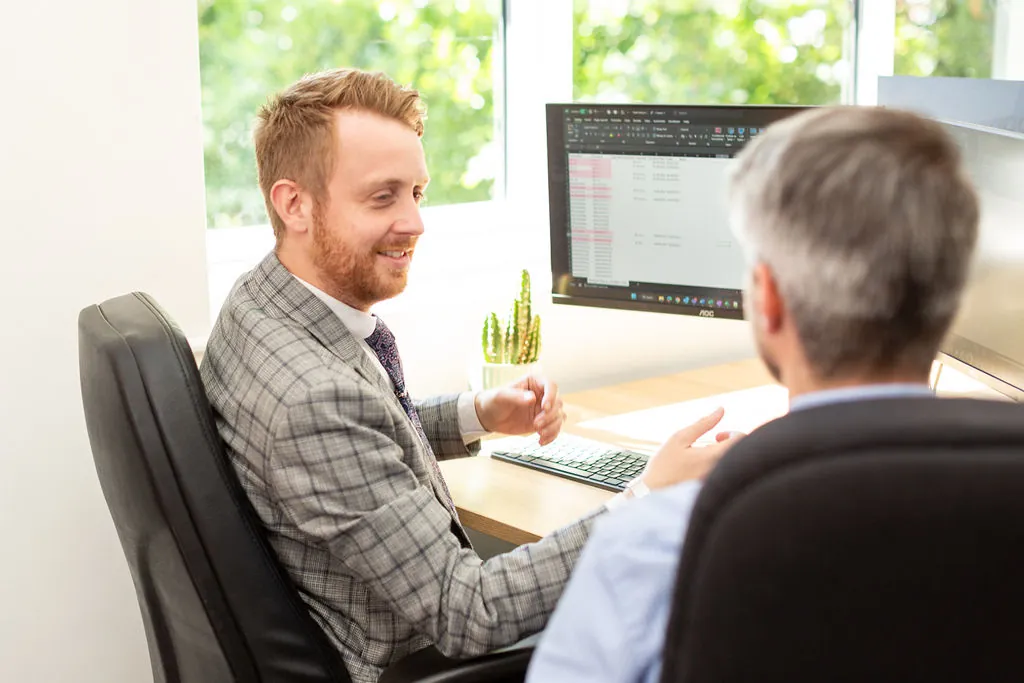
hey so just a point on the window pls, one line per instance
(944, 38)
(712, 51)
(448, 49)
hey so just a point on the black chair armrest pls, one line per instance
(430, 666)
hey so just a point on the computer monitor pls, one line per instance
(987, 339)
(638, 205)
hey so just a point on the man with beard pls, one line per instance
(310, 399)
(858, 225)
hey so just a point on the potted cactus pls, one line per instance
(510, 347)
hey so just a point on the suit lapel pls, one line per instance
(277, 284)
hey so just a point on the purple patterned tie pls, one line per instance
(382, 341)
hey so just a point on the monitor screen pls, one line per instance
(988, 334)
(638, 204)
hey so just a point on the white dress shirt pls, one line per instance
(362, 325)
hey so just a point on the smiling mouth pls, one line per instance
(396, 258)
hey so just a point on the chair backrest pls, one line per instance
(877, 541)
(216, 604)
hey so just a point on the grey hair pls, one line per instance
(868, 223)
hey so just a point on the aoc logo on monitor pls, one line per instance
(706, 314)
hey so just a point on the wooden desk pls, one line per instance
(520, 505)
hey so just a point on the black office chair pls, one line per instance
(880, 541)
(216, 604)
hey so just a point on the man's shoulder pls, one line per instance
(254, 339)
(250, 324)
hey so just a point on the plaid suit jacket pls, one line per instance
(337, 473)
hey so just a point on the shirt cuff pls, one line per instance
(616, 501)
(469, 423)
(634, 489)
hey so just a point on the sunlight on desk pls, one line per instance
(645, 430)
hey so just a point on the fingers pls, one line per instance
(550, 395)
(548, 413)
(541, 386)
(549, 420)
(728, 436)
(549, 406)
(547, 389)
(687, 435)
(524, 382)
(549, 417)
(548, 435)
(551, 426)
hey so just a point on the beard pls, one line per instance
(769, 362)
(352, 276)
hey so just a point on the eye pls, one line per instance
(383, 197)
(419, 195)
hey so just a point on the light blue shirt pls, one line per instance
(609, 626)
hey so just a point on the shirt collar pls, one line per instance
(859, 393)
(360, 324)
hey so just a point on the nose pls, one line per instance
(411, 222)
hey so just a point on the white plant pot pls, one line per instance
(490, 375)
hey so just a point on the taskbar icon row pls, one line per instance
(706, 302)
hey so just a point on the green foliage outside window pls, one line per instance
(944, 38)
(445, 48)
(760, 51)
(711, 52)
(686, 51)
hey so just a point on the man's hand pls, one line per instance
(678, 460)
(530, 405)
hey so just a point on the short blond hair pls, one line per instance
(294, 134)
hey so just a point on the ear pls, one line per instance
(293, 205)
(768, 305)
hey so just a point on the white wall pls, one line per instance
(1008, 51)
(101, 182)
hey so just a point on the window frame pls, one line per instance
(1008, 47)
